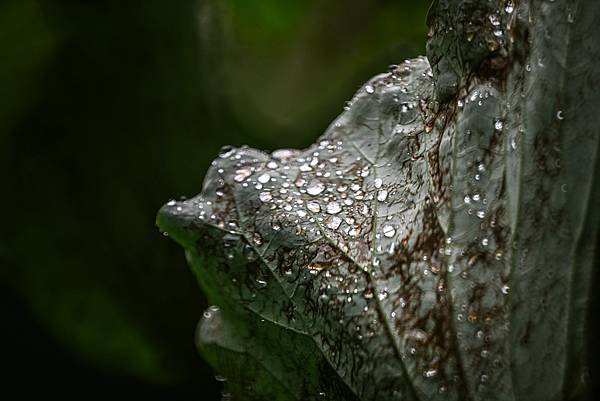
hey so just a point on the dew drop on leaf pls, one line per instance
(242, 174)
(333, 208)
(265, 196)
(334, 222)
(389, 231)
(430, 373)
(260, 283)
(315, 188)
(382, 195)
(264, 178)
(313, 207)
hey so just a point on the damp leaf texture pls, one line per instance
(437, 242)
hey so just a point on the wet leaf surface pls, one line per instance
(427, 247)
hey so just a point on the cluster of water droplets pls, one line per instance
(354, 228)
(350, 216)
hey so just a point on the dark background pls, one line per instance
(108, 109)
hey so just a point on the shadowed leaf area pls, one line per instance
(436, 243)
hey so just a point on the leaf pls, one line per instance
(428, 247)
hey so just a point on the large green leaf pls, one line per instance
(438, 240)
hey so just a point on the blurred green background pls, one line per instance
(111, 107)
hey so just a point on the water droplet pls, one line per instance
(333, 208)
(313, 207)
(265, 196)
(315, 188)
(220, 378)
(272, 165)
(264, 178)
(305, 167)
(509, 8)
(485, 242)
(494, 19)
(467, 199)
(334, 222)
(242, 174)
(430, 373)
(481, 214)
(171, 203)
(476, 197)
(260, 283)
(282, 154)
(369, 89)
(559, 115)
(389, 231)
(378, 182)
(498, 125)
(301, 213)
(257, 239)
(354, 231)
(382, 195)
(226, 151)
(505, 289)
